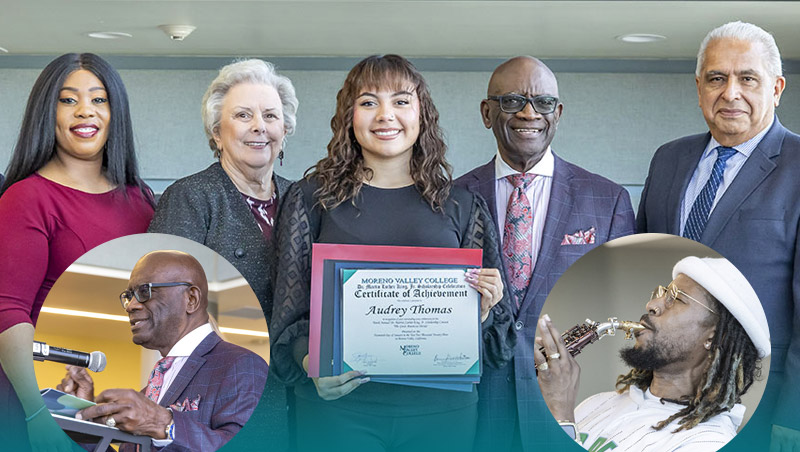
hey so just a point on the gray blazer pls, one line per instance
(208, 208)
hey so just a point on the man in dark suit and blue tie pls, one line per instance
(736, 190)
(549, 212)
(203, 390)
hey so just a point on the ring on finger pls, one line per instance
(554, 356)
(111, 422)
(543, 366)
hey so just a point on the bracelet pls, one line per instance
(169, 430)
(41, 408)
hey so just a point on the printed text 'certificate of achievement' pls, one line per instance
(410, 322)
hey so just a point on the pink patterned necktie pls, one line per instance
(518, 236)
(156, 379)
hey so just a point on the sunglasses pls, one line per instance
(512, 103)
(143, 292)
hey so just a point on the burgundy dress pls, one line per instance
(44, 227)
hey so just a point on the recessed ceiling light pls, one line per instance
(109, 35)
(641, 38)
(4, 50)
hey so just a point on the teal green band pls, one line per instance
(28, 419)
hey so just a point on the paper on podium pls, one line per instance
(62, 403)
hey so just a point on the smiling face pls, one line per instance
(251, 129)
(675, 335)
(522, 137)
(736, 93)
(82, 117)
(161, 321)
(386, 123)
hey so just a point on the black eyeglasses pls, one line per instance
(512, 103)
(144, 291)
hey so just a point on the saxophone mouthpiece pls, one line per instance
(630, 328)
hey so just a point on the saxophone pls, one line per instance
(579, 336)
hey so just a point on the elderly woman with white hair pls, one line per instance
(231, 206)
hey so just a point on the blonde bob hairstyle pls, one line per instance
(246, 71)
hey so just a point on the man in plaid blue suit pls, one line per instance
(573, 212)
(208, 389)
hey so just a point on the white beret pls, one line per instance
(729, 286)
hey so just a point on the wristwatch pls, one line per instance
(169, 430)
(569, 428)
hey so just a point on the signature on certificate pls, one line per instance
(365, 359)
(448, 360)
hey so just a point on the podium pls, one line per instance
(85, 432)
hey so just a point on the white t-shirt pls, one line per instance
(624, 422)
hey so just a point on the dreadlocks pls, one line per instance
(732, 368)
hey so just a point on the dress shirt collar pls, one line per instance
(186, 345)
(745, 148)
(544, 167)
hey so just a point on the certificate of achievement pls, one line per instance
(410, 322)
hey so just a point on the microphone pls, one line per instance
(95, 361)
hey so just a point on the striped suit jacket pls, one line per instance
(510, 396)
(229, 381)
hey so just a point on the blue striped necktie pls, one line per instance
(698, 216)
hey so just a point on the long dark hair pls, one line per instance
(36, 144)
(342, 172)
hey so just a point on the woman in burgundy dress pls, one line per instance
(72, 184)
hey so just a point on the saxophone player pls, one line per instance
(704, 336)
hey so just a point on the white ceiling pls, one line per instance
(549, 29)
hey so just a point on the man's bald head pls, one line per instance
(172, 311)
(523, 136)
(521, 66)
(177, 264)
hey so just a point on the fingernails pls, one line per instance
(543, 322)
(78, 416)
(547, 317)
(363, 380)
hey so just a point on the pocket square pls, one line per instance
(579, 238)
(187, 405)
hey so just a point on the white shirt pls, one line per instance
(626, 420)
(538, 194)
(181, 351)
(706, 164)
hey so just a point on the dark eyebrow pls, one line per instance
(402, 93)
(95, 88)
(367, 94)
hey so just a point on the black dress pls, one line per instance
(379, 217)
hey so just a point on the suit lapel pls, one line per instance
(755, 170)
(684, 169)
(483, 182)
(189, 370)
(558, 210)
